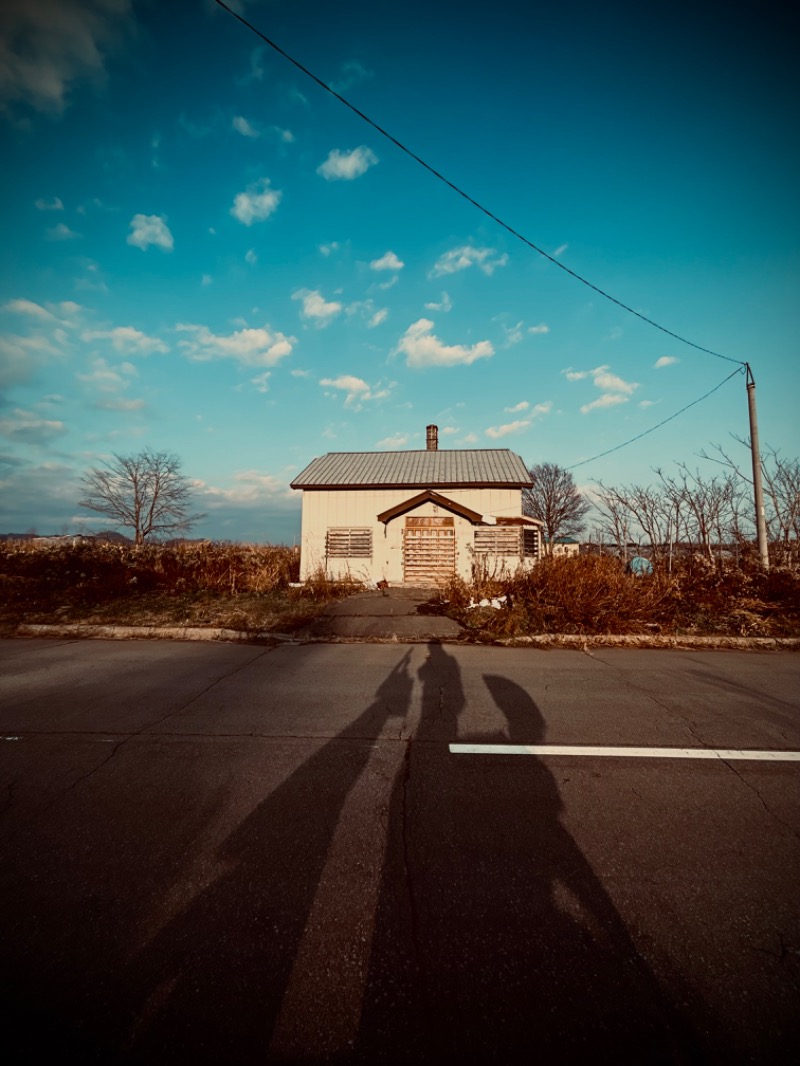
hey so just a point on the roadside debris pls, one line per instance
(497, 603)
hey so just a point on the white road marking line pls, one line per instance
(723, 754)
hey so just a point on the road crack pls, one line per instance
(762, 801)
(687, 723)
(127, 737)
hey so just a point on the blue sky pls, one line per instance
(205, 253)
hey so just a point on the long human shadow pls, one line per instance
(495, 940)
(209, 986)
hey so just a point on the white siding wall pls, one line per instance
(360, 507)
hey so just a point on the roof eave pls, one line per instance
(340, 486)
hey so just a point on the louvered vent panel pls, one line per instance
(349, 543)
(497, 540)
(530, 543)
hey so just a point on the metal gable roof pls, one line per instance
(415, 469)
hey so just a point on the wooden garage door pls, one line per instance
(429, 550)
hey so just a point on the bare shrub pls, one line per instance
(592, 594)
(57, 576)
(321, 589)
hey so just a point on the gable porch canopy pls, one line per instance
(429, 496)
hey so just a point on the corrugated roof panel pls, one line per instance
(409, 469)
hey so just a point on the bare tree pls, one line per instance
(146, 493)
(707, 509)
(554, 499)
(643, 509)
(617, 517)
(781, 478)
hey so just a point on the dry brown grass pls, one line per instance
(235, 586)
(593, 595)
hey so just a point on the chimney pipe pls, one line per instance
(432, 442)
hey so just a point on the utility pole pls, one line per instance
(758, 490)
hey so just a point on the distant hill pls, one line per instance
(107, 536)
(111, 536)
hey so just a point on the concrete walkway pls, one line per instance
(383, 616)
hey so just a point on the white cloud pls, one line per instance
(106, 378)
(249, 347)
(109, 382)
(560, 250)
(521, 424)
(609, 382)
(379, 316)
(286, 136)
(422, 348)
(256, 203)
(393, 280)
(49, 205)
(399, 440)
(316, 308)
(666, 360)
(251, 257)
(470, 438)
(327, 249)
(647, 403)
(345, 166)
(510, 427)
(486, 259)
(61, 232)
(357, 390)
(523, 405)
(352, 73)
(251, 488)
(119, 403)
(150, 229)
(27, 428)
(126, 339)
(241, 125)
(21, 358)
(388, 261)
(206, 280)
(298, 373)
(47, 46)
(27, 307)
(445, 304)
(541, 328)
(513, 335)
(608, 399)
(256, 68)
(615, 389)
(261, 381)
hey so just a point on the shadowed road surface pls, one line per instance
(218, 853)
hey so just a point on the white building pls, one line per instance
(415, 517)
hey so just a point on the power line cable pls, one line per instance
(583, 462)
(464, 195)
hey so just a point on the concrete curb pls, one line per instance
(565, 640)
(542, 640)
(87, 632)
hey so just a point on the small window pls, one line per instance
(349, 543)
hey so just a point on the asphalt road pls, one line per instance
(223, 853)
